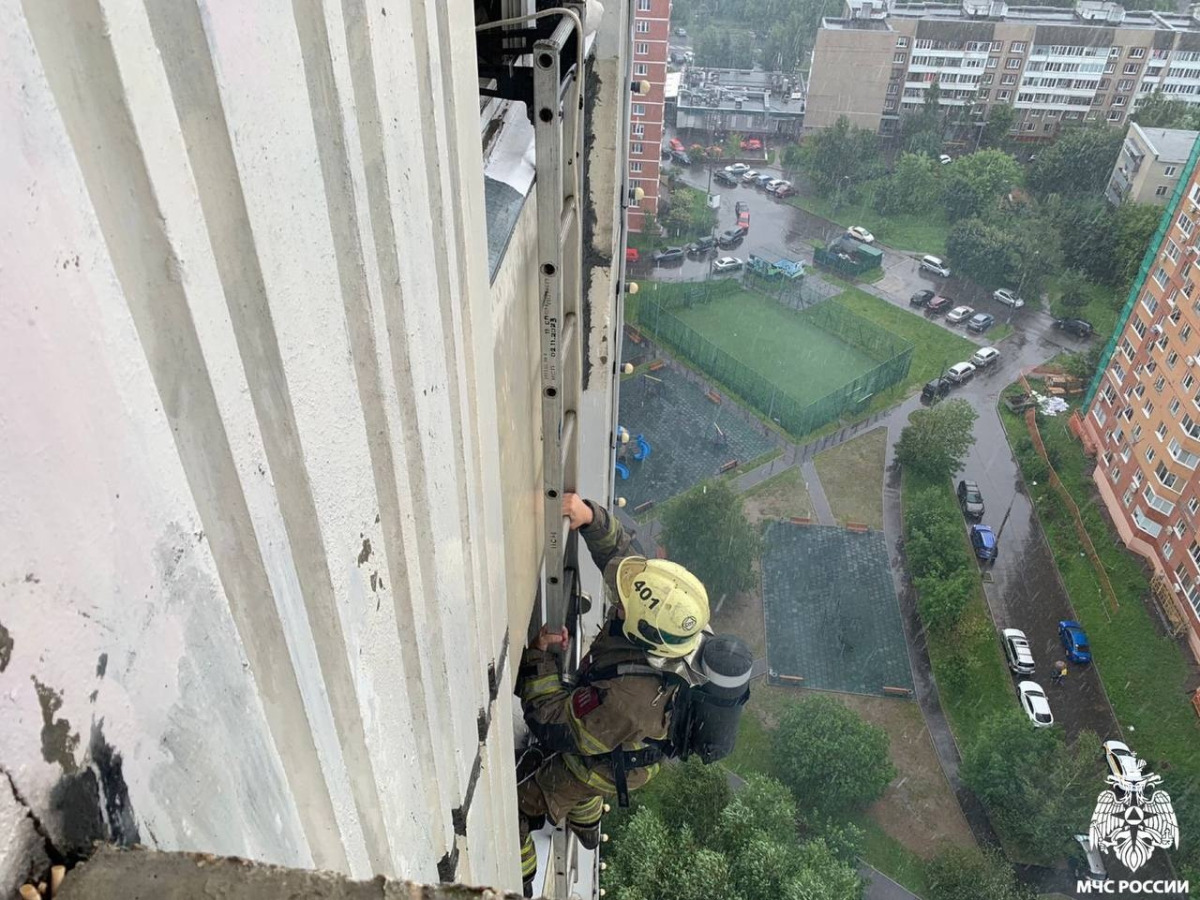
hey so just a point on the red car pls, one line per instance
(938, 305)
(744, 220)
(676, 144)
(752, 144)
(631, 255)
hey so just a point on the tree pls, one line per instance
(1079, 163)
(975, 182)
(1000, 122)
(941, 600)
(1135, 224)
(762, 808)
(840, 157)
(912, 186)
(694, 795)
(707, 532)
(1160, 111)
(1030, 781)
(936, 439)
(650, 861)
(830, 757)
(969, 874)
(1073, 297)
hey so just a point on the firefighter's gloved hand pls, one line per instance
(574, 507)
(549, 638)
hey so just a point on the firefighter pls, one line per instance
(659, 613)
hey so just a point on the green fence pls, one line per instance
(798, 417)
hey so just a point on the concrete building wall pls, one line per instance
(1144, 418)
(271, 464)
(850, 73)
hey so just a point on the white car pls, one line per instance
(1035, 704)
(945, 159)
(984, 357)
(936, 265)
(750, 175)
(737, 168)
(773, 184)
(1122, 761)
(959, 314)
(1017, 652)
(960, 372)
(860, 234)
(727, 264)
(1008, 298)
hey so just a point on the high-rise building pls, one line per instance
(1150, 165)
(1142, 411)
(307, 322)
(651, 44)
(1056, 67)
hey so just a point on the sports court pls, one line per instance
(831, 613)
(784, 346)
(690, 436)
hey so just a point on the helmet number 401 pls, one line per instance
(646, 594)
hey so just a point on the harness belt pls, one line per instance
(623, 760)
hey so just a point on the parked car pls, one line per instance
(778, 185)
(676, 144)
(723, 177)
(750, 176)
(744, 221)
(983, 542)
(764, 179)
(772, 184)
(936, 389)
(984, 357)
(981, 322)
(1084, 861)
(1035, 704)
(961, 373)
(741, 206)
(1075, 641)
(738, 169)
(784, 190)
(936, 265)
(727, 240)
(1122, 761)
(920, 298)
(970, 498)
(945, 159)
(959, 314)
(727, 264)
(632, 255)
(1008, 298)
(702, 246)
(680, 157)
(751, 144)
(1016, 651)
(1081, 328)
(669, 256)
(938, 305)
(681, 32)
(860, 234)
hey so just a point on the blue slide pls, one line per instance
(623, 470)
(643, 448)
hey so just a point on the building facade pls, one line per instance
(1150, 165)
(1055, 67)
(651, 46)
(272, 538)
(1142, 415)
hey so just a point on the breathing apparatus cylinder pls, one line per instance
(708, 723)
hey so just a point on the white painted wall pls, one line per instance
(269, 441)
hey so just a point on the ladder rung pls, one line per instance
(567, 339)
(567, 219)
(568, 444)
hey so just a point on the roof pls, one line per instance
(1097, 15)
(671, 85)
(1169, 145)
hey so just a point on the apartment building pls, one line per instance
(651, 46)
(1150, 165)
(297, 300)
(1056, 67)
(1142, 412)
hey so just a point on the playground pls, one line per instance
(832, 619)
(678, 436)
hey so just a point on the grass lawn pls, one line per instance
(780, 497)
(779, 344)
(892, 858)
(852, 475)
(1145, 673)
(1102, 309)
(972, 679)
(920, 233)
(935, 348)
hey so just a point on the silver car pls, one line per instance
(1017, 651)
(1008, 298)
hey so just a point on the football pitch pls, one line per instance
(780, 344)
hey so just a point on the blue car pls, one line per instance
(1075, 642)
(983, 540)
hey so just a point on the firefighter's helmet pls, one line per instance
(666, 606)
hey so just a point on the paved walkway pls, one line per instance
(880, 887)
(816, 493)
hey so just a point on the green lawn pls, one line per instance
(972, 679)
(892, 858)
(1144, 674)
(920, 233)
(1104, 305)
(852, 476)
(779, 344)
(780, 497)
(934, 348)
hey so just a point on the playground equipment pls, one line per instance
(622, 470)
(643, 448)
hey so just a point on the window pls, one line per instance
(644, 5)
(1161, 431)
(1008, 79)
(898, 59)
(1185, 334)
(1011, 63)
(1099, 415)
(889, 105)
(1109, 69)
(639, 109)
(1190, 426)
(986, 80)
(1114, 115)
(1161, 504)
(1160, 191)
(637, 148)
(1149, 454)
(1161, 275)
(1179, 528)
(1148, 408)
(991, 63)
(1131, 68)
(641, 49)
(1018, 47)
(1004, 95)
(1128, 498)
(1137, 52)
(635, 167)
(1150, 302)
(1183, 457)
(1171, 360)
(893, 87)
(1118, 100)
(1168, 551)
(1139, 326)
(1125, 84)
(634, 184)
(1147, 525)
(642, 27)
(1049, 126)
(1188, 381)
(641, 69)
(1166, 477)
(901, 42)
(639, 130)
(1127, 349)
(997, 46)
(1193, 505)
